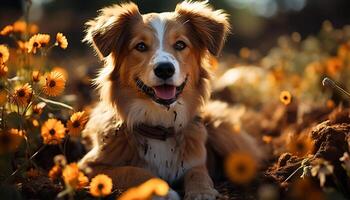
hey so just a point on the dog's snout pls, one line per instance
(164, 70)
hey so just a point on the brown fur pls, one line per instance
(129, 158)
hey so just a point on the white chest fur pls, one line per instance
(163, 158)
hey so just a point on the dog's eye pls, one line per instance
(180, 45)
(141, 47)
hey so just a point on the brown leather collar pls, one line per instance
(159, 132)
(155, 132)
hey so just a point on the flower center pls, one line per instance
(52, 131)
(21, 93)
(241, 168)
(52, 83)
(76, 124)
(100, 186)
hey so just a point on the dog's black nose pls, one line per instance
(164, 70)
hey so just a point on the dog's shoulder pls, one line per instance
(103, 120)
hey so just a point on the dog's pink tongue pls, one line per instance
(165, 91)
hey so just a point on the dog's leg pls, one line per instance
(198, 185)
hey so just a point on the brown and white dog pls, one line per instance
(152, 119)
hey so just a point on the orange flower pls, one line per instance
(73, 177)
(330, 104)
(55, 172)
(101, 185)
(344, 50)
(267, 139)
(38, 108)
(6, 30)
(147, 190)
(77, 123)
(33, 28)
(60, 160)
(36, 76)
(240, 167)
(3, 97)
(23, 95)
(4, 53)
(53, 131)
(38, 41)
(300, 145)
(61, 41)
(285, 97)
(20, 26)
(54, 84)
(10, 140)
(22, 46)
(334, 65)
(244, 53)
(3, 70)
(61, 70)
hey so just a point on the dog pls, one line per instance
(154, 118)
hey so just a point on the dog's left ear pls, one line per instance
(211, 26)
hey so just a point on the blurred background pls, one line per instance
(256, 23)
(257, 27)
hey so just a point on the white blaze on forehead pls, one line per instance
(159, 24)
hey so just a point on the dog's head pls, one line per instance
(156, 60)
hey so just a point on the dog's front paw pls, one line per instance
(210, 194)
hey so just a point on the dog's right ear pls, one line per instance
(111, 29)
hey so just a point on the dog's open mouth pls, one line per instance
(163, 94)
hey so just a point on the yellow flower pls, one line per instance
(38, 41)
(240, 167)
(4, 53)
(20, 26)
(300, 145)
(285, 97)
(53, 131)
(36, 76)
(101, 185)
(10, 140)
(6, 30)
(73, 177)
(3, 70)
(38, 108)
(22, 95)
(55, 172)
(61, 41)
(54, 84)
(77, 123)
(3, 97)
(321, 168)
(154, 186)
